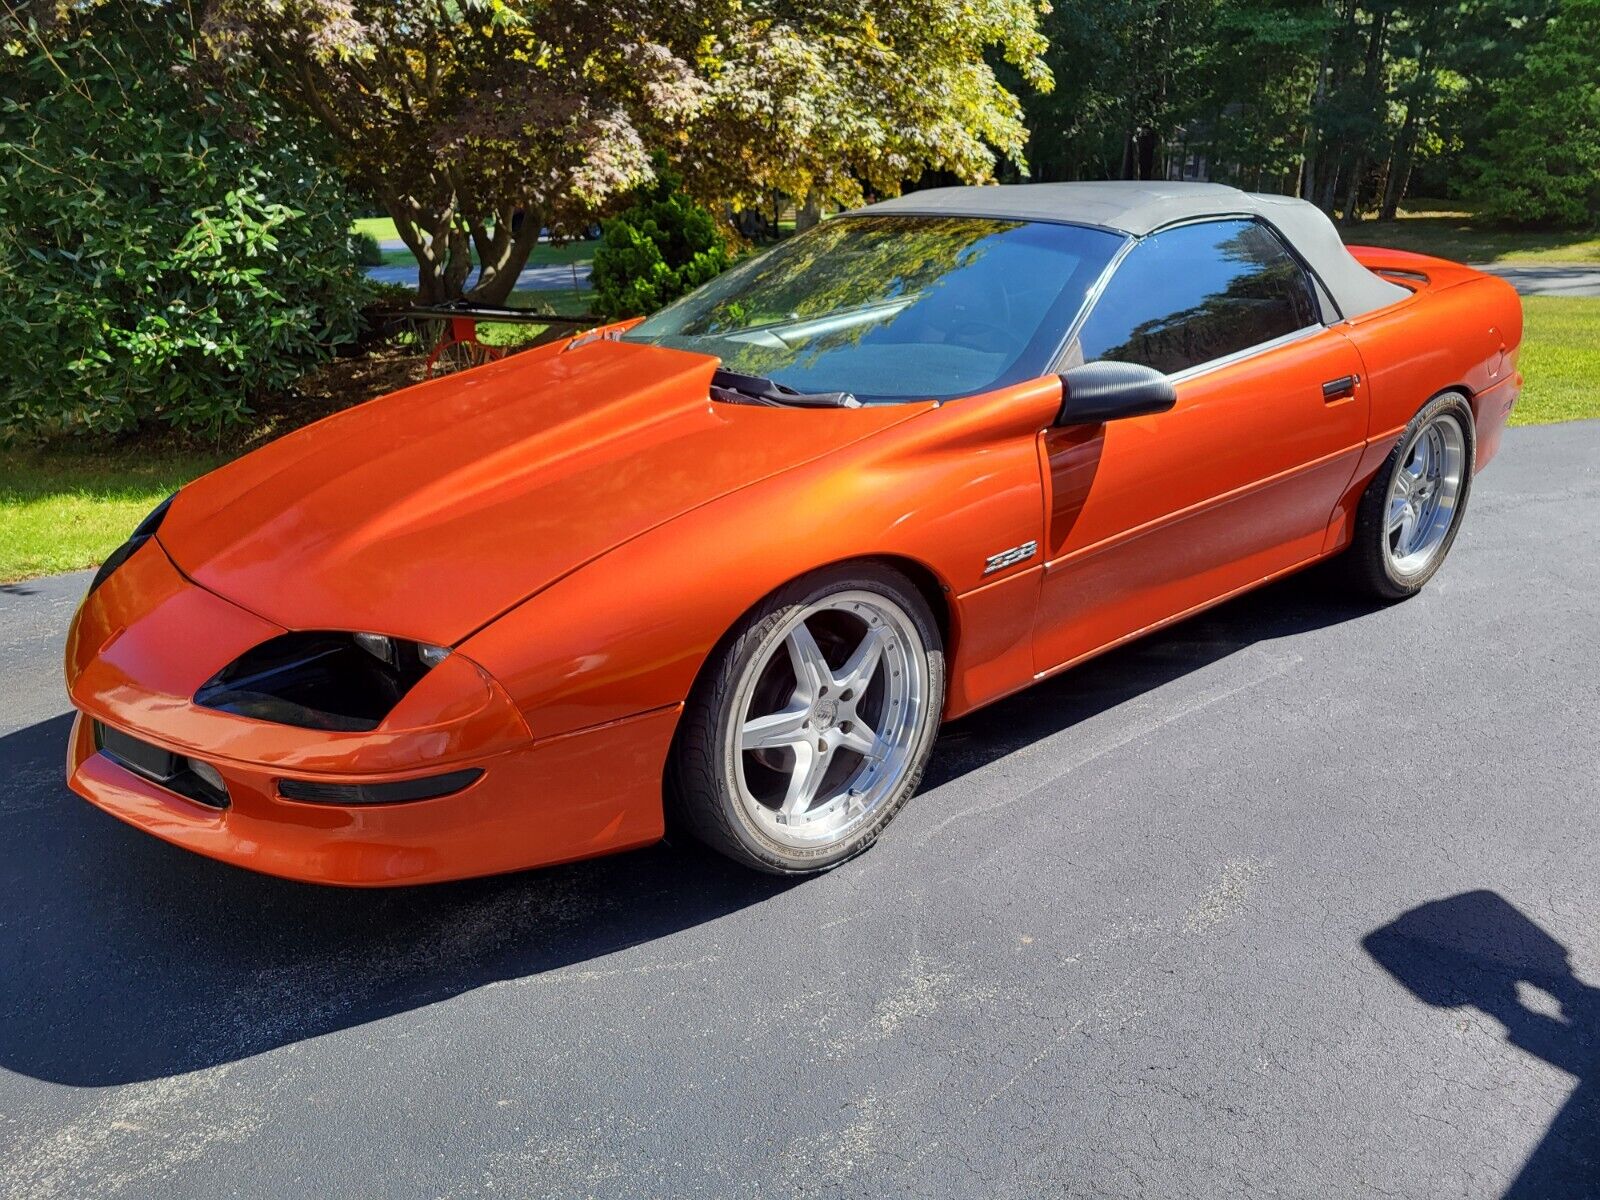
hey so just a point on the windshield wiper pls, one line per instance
(735, 388)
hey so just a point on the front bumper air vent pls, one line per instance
(184, 776)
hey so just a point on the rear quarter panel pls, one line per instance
(1460, 330)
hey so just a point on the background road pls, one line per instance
(1296, 899)
(1555, 280)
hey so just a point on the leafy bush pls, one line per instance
(1541, 165)
(661, 247)
(170, 246)
(366, 250)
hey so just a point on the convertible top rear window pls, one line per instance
(897, 307)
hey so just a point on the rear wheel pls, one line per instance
(812, 727)
(1412, 509)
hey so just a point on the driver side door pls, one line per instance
(1156, 516)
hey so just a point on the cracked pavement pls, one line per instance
(1295, 899)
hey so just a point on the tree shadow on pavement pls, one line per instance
(1475, 949)
(125, 959)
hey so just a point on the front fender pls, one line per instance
(947, 489)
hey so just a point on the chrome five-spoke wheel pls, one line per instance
(829, 716)
(815, 726)
(1423, 494)
(1412, 507)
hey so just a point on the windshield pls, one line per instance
(894, 307)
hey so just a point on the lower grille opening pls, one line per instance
(429, 787)
(161, 767)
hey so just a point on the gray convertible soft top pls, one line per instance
(1144, 207)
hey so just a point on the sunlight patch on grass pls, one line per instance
(65, 511)
(1560, 360)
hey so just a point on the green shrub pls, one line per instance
(661, 247)
(366, 250)
(170, 245)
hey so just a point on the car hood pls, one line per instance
(426, 513)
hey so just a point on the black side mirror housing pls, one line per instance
(1109, 391)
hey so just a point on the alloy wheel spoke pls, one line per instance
(810, 765)
(811, 670)
(1398, 510)
(1408, 529)
(856, 674)
(860, 738)
(782, 728)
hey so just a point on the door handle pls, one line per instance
(1341, 388)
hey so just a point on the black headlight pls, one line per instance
(321, 679)
(142, 534)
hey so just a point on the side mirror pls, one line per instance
(1109, 391)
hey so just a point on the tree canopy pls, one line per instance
(478, 122)
(1349, 103)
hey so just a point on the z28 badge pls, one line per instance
(1006, 558)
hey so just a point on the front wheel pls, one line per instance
(1411, 511)
(812, 726)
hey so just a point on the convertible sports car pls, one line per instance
(728, 568)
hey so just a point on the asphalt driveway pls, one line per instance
(1297, 899)
(1559, 279)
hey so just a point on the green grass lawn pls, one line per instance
(1560, 360)
(1448, 232)
(62, 511)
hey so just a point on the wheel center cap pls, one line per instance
(825, 713)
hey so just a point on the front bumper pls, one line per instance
(144, 641)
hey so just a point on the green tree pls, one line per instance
(477, 122)
(837, 100)
(1540, 163)
(1132, 74)
(170, 245)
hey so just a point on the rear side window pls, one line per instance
(1197, 293)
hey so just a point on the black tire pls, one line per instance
(1367, 564)
(702, 793)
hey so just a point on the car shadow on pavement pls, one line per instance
(1310, 600)
(1477, 950)
(124, 959)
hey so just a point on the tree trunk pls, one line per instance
(1352, 197)
(503, 255)
(809, 212)
(424, 230)
(1330, 186)
(1372, 85)
(1405, 142)
(1147, 153)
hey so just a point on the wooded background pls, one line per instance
(177, 181)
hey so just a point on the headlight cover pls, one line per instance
(321, 679)
(143, 532)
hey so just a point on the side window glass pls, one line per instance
(1196, 293)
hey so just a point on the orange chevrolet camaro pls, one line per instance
(728, 568)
